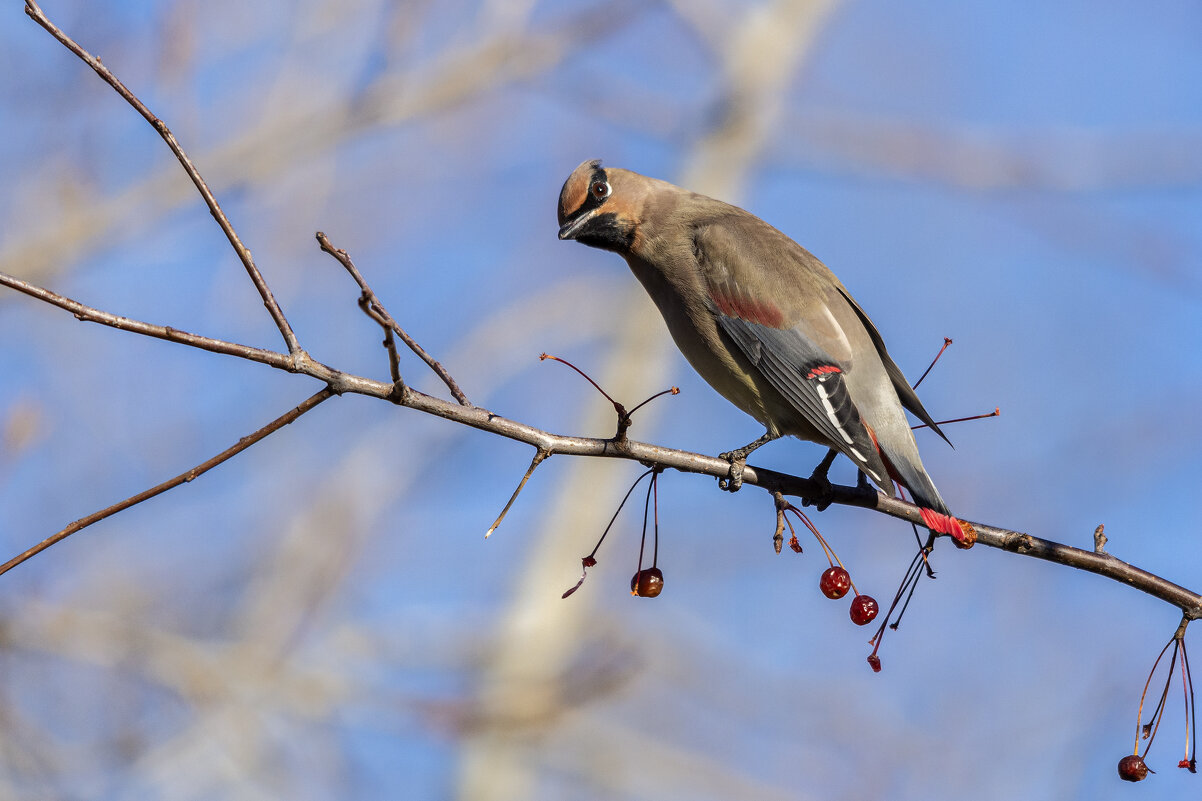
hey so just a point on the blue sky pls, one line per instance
(1024, 180)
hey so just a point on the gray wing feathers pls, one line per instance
(905, 393)
(785, 358)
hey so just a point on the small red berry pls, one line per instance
(835, 582)
(875, 662)
(647, 583)
(1132, 768)
(863, 609)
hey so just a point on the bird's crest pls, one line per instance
(576, 192)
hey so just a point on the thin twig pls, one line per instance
(338, 381)
(90, 314)
(387, 320)
(273, 308)
(778, 536)
(182, 478)
(394, 361)
(539, 456)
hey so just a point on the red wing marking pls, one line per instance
(733, 304)
(822, 369)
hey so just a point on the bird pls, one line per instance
(764, 322)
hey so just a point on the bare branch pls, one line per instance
(301, 362)
(385, 319)
(726, 141)
(35, 13)
(1104, 564)
(88, 314)
(338, 382)
(182, 478)
(394, 360)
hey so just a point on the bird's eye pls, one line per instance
(600, 190)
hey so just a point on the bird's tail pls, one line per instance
(935, 514)
(943, 523)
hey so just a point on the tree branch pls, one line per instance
(339, 382)
(171, 483)
(377, 311)
(462, 412)
(273, 308)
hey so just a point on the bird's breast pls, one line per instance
(711, 353)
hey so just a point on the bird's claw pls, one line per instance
(824, 497)
(738, 461)
(733, 481)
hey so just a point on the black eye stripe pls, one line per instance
(598, 177)
(591, 198)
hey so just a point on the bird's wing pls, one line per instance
(802, 356)
(905, 393)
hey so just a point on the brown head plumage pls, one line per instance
(601, 208)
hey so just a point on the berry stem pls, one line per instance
(908, 584)
(625, 498)
(831, 556)
(646, 509)
(1149, 729)
(655, 519)
(946, 341)
(1191, 715)
(1185, 687)
(668, 391)
(1158, 714)
(995, 413)
(620, 409)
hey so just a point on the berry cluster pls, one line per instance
(1132, 767)
(646, 582)
(835, 582)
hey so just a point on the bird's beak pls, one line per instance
(569, 230)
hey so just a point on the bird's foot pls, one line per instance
(733, 481)
(738, 461)
(824, 497)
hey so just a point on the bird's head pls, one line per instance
(601, 208)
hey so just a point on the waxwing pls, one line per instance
(763, 321)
